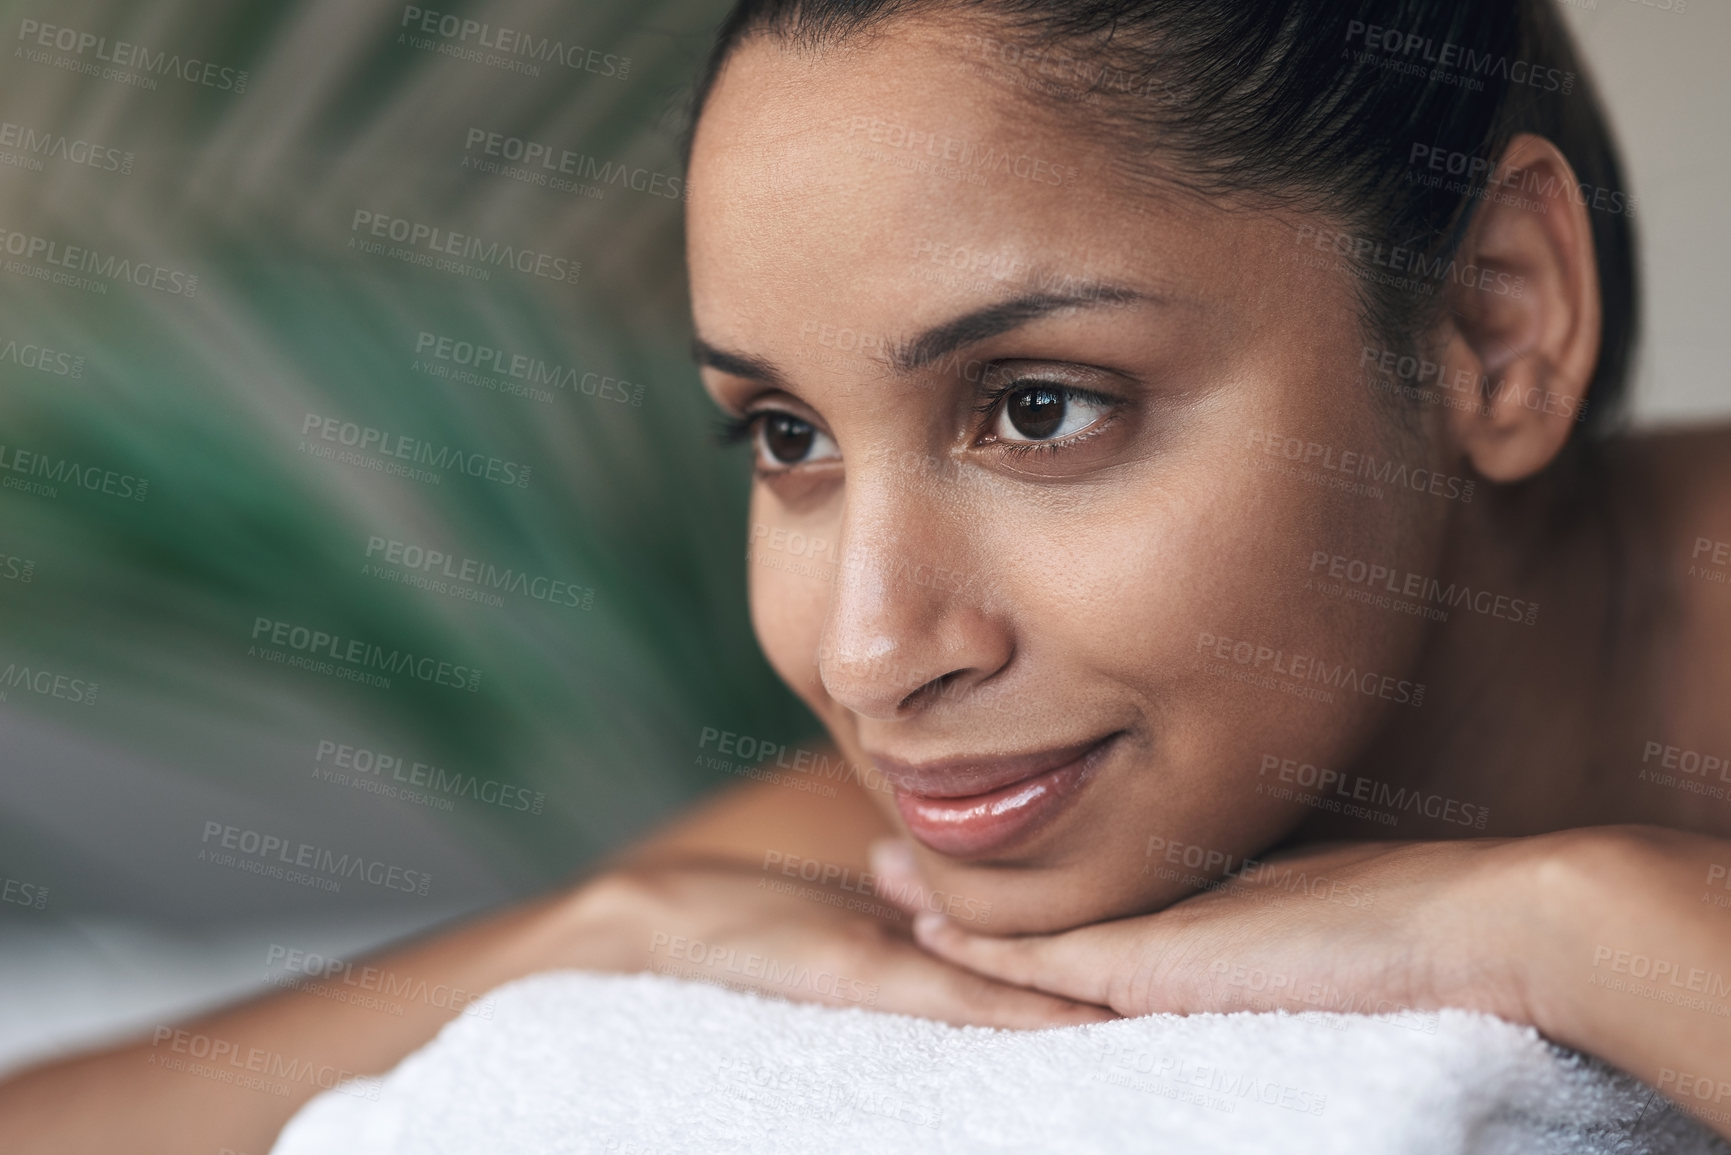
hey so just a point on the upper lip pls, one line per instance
(969, 774)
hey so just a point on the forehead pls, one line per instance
(851, 165)
(844, 198)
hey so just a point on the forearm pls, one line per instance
(219, 1082)
(1634, 960)
(216, 1083)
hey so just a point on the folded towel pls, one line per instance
(648, 1065)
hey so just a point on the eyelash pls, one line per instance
(731, 429)
(995, 397)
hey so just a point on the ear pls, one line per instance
(1524, 314)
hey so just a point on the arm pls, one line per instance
(141, 1096)
(129, 1098)
(1607, 939)
(1637, 965)
(702, 879)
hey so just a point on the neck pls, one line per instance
(1531, 720)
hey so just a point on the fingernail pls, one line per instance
(928, 923)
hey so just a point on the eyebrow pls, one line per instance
(736, 364)
(998, 318)
(940, 340)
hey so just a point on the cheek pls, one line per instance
(1258, 658)
(1189, 589)
(790, 577)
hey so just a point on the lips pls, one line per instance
(966, 807)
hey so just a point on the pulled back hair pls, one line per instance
(1336, 107)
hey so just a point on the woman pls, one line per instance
(1184, 462)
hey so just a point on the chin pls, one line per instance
(1041, 901)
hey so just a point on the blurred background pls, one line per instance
(356, 490)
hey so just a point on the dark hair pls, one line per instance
(1315, 104)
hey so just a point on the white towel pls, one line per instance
(647, 1065)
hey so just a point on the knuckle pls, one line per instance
(623, 894)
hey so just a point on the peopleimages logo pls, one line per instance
(275, 849)
(1409, 267)
(552, 161)
(46, 468)
(433, 564)
(1453, 63)
(716, 959)
(524, 49)
(34, 145)
(1469, 168)
(1471, 390)
(333, 973)
(36, 39)
(970, 158)
(436, 241)
(81, 259)
(533, 371)
(254, 1068)
(21, 893)
(47, 683)
(1304, 669)
(28, 355)
(360, 655)
(355, 763)
(368, 439)
(1358, 788)
(1362, 465)
(17, 569)
(1428, 595)
(904, 894)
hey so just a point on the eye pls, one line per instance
(1039, 411)
(784, 441)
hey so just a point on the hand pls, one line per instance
(733, 924)
(1355, 927)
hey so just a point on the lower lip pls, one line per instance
(981, 823)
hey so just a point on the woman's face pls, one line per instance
(1049, 470)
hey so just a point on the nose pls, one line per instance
(910, 624)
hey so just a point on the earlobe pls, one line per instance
(1526, 324)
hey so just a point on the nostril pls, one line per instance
(935, 688)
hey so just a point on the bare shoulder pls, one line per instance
(1690, 516)
(799, 805)
(1687, 516)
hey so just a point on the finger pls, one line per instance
(1076, 964)
(898, 875)
(919, 984)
